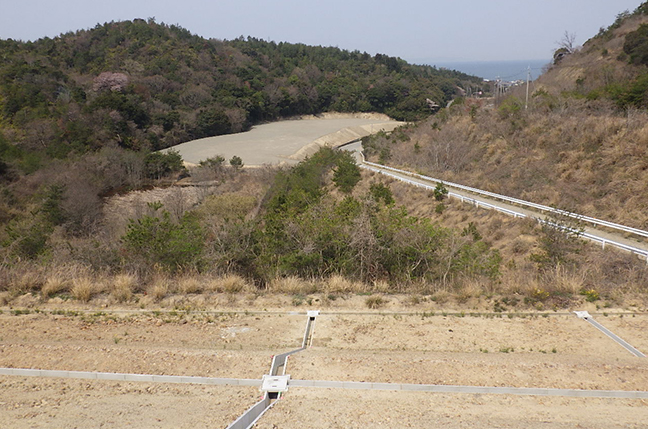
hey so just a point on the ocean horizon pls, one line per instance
(491, 70)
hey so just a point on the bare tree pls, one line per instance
(568, 42)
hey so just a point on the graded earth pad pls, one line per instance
(545, 351)
(550, 352)
(60, 403)
(229, 346)
(285, 141)
(336, 408)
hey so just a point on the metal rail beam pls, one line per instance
(518, 201)
(603, 241)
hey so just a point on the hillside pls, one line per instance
(580, 145)
(102, 223)
(143, 85)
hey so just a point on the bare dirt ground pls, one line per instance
(286, 141)
(557, 351)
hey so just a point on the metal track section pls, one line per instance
(586, 316)
(527, 391)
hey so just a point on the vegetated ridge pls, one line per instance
(139, 84)
(320, 227)
(580, 145)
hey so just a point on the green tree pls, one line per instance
(236, 162)
(160, 241)
(440, 192)
(347, 173)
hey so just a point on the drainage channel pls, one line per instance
(587, 317)
(257, 409)
(112, 376)
(276, 381)
(441, 388)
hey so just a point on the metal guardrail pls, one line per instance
(517, 201)
(603, 241)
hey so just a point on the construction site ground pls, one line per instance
(350, 343)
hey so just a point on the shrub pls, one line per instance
(159, 164)
(590, 295)
(236, 162)
(636, 45)
(440, 192)
(559, 240)
(380, 191)
(375, 301)
(346, 174)
(160, 241)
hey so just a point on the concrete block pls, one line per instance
(248, 382)
(386, 386)
(110, 376)
(419, 387)
(302, 383)
(167, 379)
(356, 385)
(328, 384)
(83, 375)
(28, 372)
(138, 377)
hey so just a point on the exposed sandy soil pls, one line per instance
(61, 403)
(286, 141)
(358, 347)
(335, 408)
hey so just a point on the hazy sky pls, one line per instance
(415, 30)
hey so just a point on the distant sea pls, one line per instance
(505, 70)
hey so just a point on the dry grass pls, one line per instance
(338, 284)
(189, 285)
(55, 283)
(123, 286)
(292, 285)
(381, 286)
(83, 288)
(25, 280)
(230, 283)
(158, 288)
(375, 301)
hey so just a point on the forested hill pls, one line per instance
(143, 84)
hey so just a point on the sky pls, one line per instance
(419, 31)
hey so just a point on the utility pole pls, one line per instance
(526, 104)
(497, 89)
